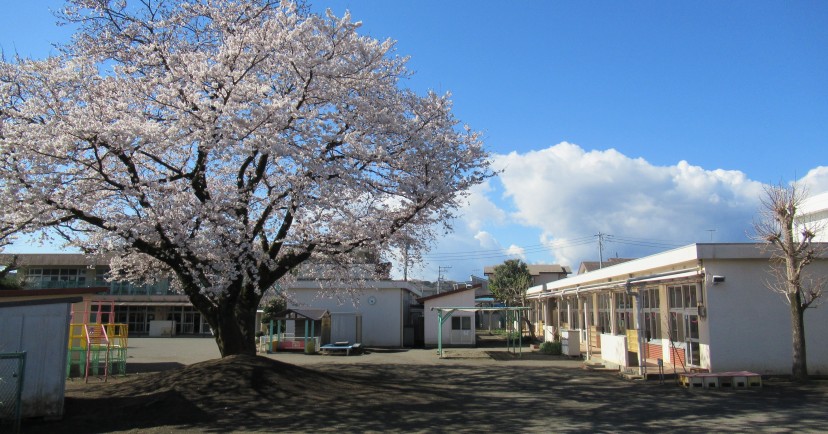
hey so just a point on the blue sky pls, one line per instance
(654, 122)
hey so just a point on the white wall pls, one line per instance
(614, 349)
(42, 331)
(382, 322)
(455, 299)
(749, 324)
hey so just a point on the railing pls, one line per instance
(115, 288)
(12, 374)
(97, 343)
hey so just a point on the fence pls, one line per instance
(12, 373)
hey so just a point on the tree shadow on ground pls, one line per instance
(259, 394)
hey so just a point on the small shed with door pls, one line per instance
(459, 330)
(36, 321)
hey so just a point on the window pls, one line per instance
(461, 323)
(677, 327)
(56, 278)
(684, 321)
(572, 315)
(623, 313)
(652, 315)
(684, 296)
(604, 302)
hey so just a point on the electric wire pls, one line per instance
(473, 255)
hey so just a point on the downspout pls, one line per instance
(642, 370)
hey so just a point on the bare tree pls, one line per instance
(791, 243)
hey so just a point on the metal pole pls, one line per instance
(270, 344)
(440, 333)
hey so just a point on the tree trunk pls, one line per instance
(235, 331)
(526, 321)
(234, 319)
(799, 368)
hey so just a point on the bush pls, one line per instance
(553, 348)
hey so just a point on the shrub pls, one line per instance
(553, 348)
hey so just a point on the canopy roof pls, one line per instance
(311, 314)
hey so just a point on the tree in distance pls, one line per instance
(225, 143)
(509, 283)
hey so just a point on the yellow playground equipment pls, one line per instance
(97, 345)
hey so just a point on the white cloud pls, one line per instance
(480, 210)
(567, 192)
(548, 206)
(516, 251)
(487, 241)
(816, 181)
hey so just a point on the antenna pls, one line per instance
(711, 234)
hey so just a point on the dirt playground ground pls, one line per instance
(180, 385)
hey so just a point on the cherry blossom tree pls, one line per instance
(226, 143)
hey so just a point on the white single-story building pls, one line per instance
(702, 306)
(459, 329)
(374, 313)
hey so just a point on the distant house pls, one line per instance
(541, 273)
(588, 266)
(459, 328)
(702, 306)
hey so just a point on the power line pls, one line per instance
(603, 239)
(494, 253)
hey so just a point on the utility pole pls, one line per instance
(600, 249)
(440, 277)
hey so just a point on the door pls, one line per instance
(461, 331)
(691, 325)
(343, 327)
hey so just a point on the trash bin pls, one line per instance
(310, 347)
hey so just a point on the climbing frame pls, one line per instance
(97, 345)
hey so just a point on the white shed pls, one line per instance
(459, 330)
(375, 313)
(37, 322)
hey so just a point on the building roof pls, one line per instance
(41, 296)
(447, 293)
(673, 260)
(53, 259)
(536, 269)
(312, 314)
(587, 266)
